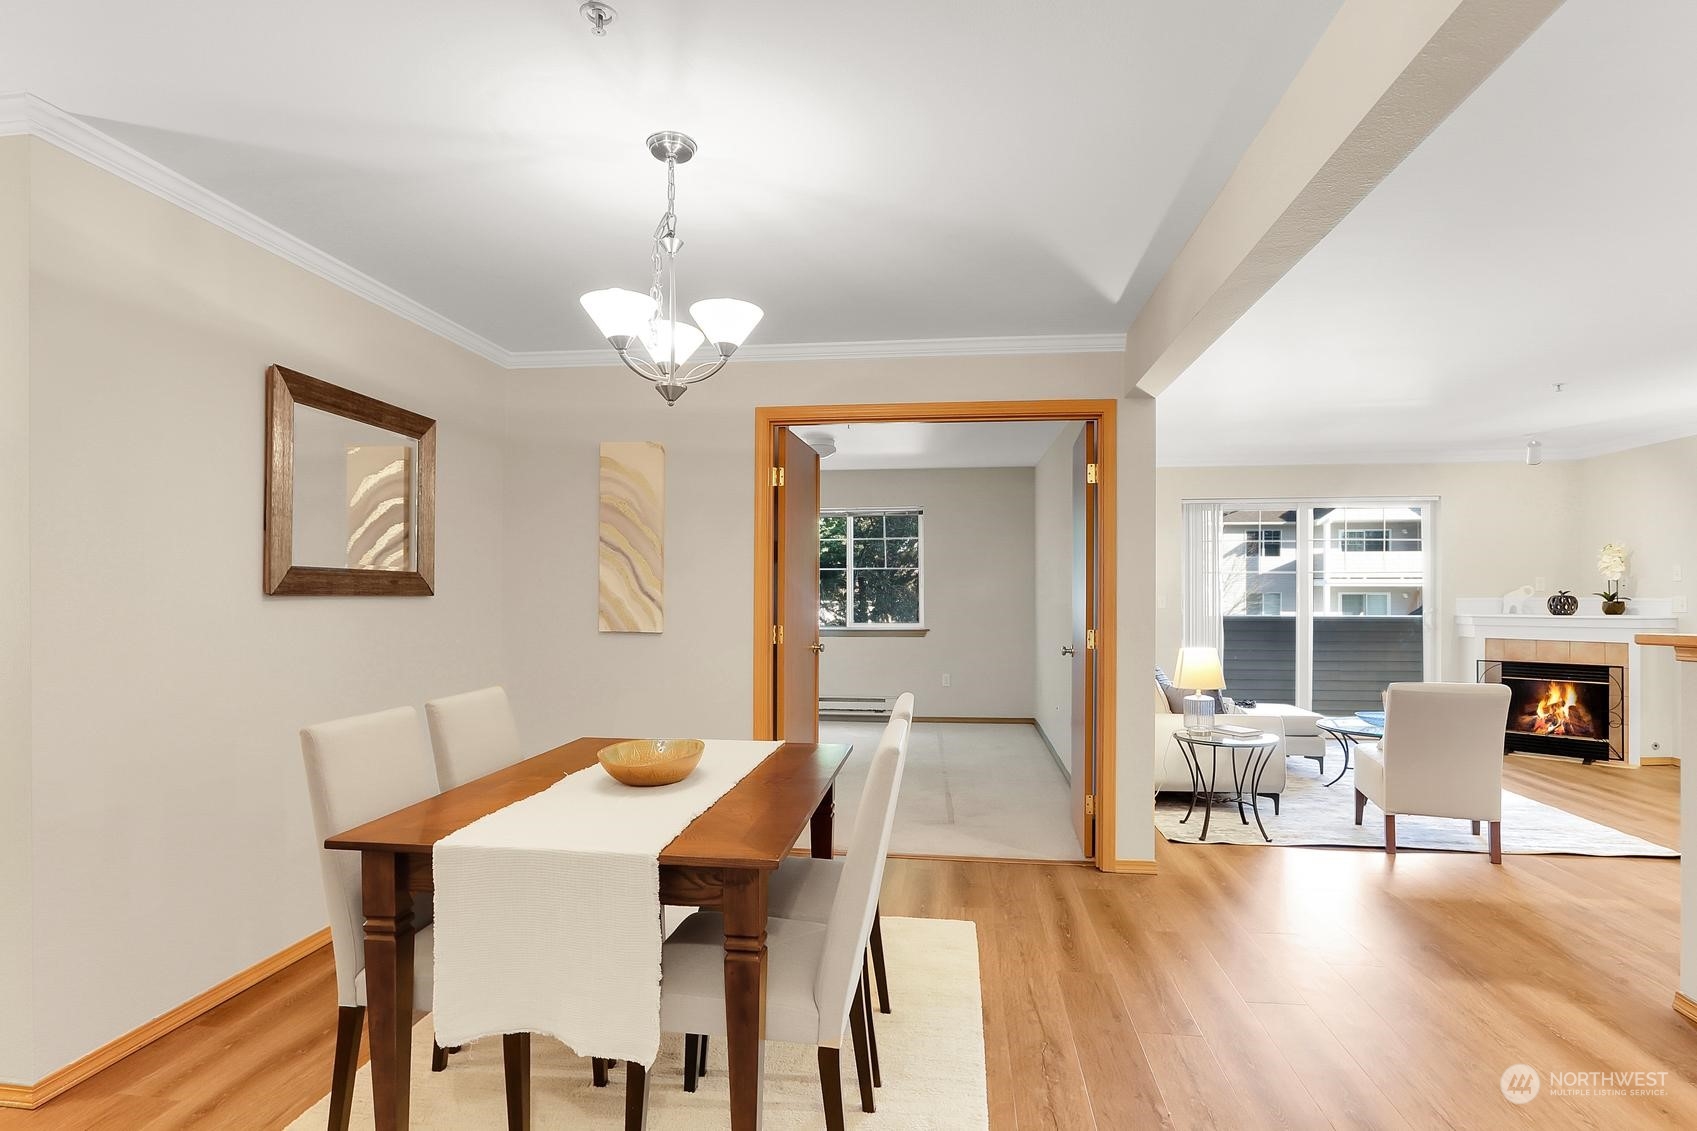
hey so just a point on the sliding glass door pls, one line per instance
(1316, 602)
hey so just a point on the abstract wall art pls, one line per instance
(631, 541)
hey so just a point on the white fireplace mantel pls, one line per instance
(1652, 717)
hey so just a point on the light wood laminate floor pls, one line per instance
(1241, 988)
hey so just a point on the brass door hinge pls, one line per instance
(1090, 473)
(1090, 805)
(1090, 639)
(777, 634)
(777, 477)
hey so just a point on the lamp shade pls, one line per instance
(726, 321)
(1198, 669)
(657, 338)
(619, 313)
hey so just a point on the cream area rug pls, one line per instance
(931, 1051)
(1314, 814)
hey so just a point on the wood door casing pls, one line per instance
(1083, 765)
(796, 653)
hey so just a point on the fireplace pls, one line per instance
(1571, 710)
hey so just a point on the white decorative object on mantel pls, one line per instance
(1520, 601)
(1652, 717)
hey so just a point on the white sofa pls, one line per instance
(1299, 737)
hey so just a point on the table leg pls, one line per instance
(1195, 769)
(388, 985)
(744, 911)
(1260, 767)
(1343, 742)
(822, 818)
(1213, 780)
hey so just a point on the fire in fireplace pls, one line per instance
(1574, 710)
(1559, 707)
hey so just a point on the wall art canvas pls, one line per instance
(379, 506)
(631, 537)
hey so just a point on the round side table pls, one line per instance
(1258, 748)
(1348, 732)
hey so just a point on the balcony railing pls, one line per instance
(1355, 658)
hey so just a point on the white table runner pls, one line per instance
(547, 912)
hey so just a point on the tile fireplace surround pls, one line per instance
(1588, 637)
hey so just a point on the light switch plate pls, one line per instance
(1538, 585)
(1679, 604)
(945, 679)
(1678, 573)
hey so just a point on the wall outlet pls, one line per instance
(946, 679)
(1679, 604)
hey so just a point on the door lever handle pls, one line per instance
(1067, 650)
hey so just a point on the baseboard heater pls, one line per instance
(856, 706)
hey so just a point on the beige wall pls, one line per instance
(1054, 563)
(979, 560)
(1641, 499)
(16, 958)
(170, 808)
(1499, 526)
(697, 676)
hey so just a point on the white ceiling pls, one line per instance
(867, 447)
(1545, 233)
(881, 170)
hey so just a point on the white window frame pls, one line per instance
(850, 626)
(1201, 510)
(1364, 594)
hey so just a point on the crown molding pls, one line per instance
(849, 351)
(24, 113)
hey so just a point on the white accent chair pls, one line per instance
(815, 972)
(1442, 756)
(473, 734)
(804, 888)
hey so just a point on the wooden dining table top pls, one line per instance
(754, 825)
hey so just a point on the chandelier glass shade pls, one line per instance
(629, 318)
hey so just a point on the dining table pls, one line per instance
(723, 861)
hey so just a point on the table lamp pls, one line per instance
(1198, 670)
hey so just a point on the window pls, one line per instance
(869, 569)
(1364, 604)
(1262, 542)
(1364, 541)
(1263, 604)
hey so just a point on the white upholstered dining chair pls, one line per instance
(357, 770)
(803, 888)
(473, 734)
(1442, 756)
(815, 972)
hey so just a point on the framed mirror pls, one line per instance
(350, 492)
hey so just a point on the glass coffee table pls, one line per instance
(1259, 749)
(1349, 731)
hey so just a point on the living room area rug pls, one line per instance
(1312, 813)
(930, 1049)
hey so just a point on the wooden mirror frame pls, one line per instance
(284, 389)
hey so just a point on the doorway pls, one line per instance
(870, 588)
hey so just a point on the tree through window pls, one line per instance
(869, 569)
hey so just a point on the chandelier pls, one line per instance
(626, 318)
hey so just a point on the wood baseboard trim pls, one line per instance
(1131, 867)
(1658, 761)
(967, 859)
(1685, 1007)
(31, 1096)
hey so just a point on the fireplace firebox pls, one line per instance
(1571, 710)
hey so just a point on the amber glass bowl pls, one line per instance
(652, 761)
